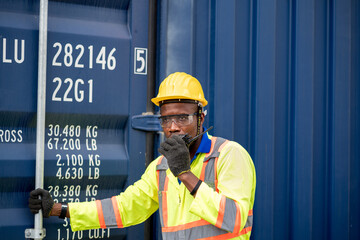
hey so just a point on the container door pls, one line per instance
(282, 79)
(96, 80)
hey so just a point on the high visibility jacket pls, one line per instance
(222, 208)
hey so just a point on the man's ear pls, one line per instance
(202, 118)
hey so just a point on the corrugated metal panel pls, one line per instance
(282, 78)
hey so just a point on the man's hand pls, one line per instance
(177, 154)
(46, 202)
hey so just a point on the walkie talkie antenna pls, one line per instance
(188, 141)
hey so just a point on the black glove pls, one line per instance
(46, 202)
(177, 154)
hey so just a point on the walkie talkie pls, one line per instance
(188, 140)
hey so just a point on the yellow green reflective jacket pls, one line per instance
(222, 208)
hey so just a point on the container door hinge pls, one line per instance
(147, 122)
(35, 233)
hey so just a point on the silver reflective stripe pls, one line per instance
(161, 168)
(194, 233)
(249, 221)
(108, 212)
(161, 208)
(229, 215)
(209, 177)
(162, 178)
(200, 232)
(215, 153)
(163, 164)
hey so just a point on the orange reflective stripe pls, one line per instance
(164, 201)
(165, 212)
(157, 179)
(228, 235)
(202, 175)
(223, 145)
(245, 230)
(117, 212)
(198, 223)
(222, 236)
(166, 183)
(238, 218)
(220, 217)
(160, 159)
(215, 177)
(100, 214)
(250, 212)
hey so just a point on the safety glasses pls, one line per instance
(180, 120)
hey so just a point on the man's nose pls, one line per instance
(173, 126)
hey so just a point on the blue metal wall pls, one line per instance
(283, 79)
(94, 84)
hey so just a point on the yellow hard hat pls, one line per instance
(180, 85)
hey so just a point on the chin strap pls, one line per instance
(199, 119)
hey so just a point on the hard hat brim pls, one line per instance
(158, 100)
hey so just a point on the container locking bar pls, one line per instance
(147, 122)
(39, 232)
(35, 233)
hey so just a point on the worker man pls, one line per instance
(203, 190)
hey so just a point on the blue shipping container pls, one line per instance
(282, 78)
(93, 85)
